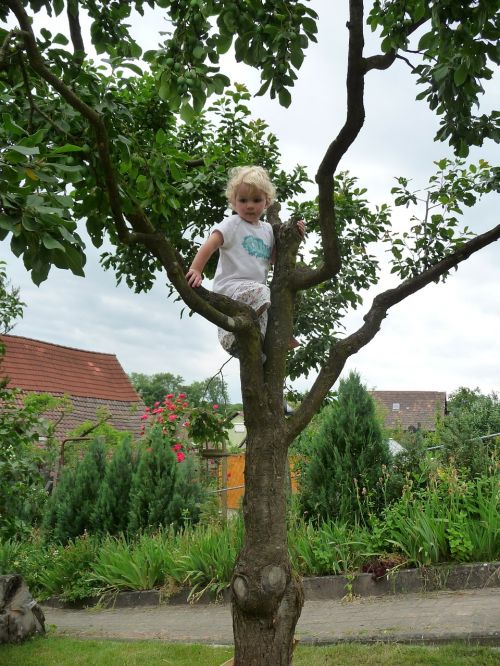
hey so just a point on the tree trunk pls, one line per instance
(267, 598)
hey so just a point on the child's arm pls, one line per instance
(194, 275)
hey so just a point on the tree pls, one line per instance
(347, 457)
(153, 388)
(467, 432)
(82, 141)
(11, 305)
(212, 390)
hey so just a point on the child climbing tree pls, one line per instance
(137, 159)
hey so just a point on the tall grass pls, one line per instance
(328, 548)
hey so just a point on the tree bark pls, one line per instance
(267, 597)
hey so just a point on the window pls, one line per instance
(395, 406)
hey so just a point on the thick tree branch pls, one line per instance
(341, 350)
(324, 178)
(75, 31)
(357, 68)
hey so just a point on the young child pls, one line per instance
(246, 247)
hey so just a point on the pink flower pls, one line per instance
(182, 396)
(185, 404)
(215, 407)
(180, 456)
(169, 396)
(177, 447)
(156, 404)
(186, 424)
(172, 417)
(144, 417)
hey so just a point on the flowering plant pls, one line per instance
(180, 423)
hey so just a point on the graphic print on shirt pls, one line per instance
(256, 247)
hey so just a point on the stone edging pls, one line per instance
(425, 579)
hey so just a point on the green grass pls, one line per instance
(70, 652)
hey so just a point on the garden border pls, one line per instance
(444, 577)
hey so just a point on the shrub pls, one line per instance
(472, 417)
(112, 508)
(70, 510)
(343, 478)
(164, 488)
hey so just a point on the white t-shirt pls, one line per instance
(245, 254)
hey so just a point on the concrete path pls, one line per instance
(434, 617)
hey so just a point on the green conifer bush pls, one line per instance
(343, 477)
(111, 512)
(71, 506)
(164, 491)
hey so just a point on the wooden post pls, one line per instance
(224, 483)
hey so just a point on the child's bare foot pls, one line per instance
(293, 344)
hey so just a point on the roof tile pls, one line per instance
(33, 365)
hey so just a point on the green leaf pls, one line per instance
(224, 42)
(219, 82)
(58, 6)
(460, 75)
(67, 148)
(441, 72)
(309, 26)
(132, 67)
(284, 97)
(187, 112)
(426, 41)
(11, 126)
(60, 39)
(8, 223)
(51, 243)
(165, 86)
(296, 56)
(26, 150)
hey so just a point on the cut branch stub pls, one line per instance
(274, 579)
(262, 596)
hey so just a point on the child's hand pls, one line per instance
(301, 227)
(194, 277)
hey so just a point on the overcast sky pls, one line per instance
(444, 337)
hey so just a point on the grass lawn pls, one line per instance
(54, 651)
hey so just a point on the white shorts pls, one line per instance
(258, 297)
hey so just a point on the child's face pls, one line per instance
(249, 203)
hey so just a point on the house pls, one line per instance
(238, 432)
(410, 410)
(91, 380)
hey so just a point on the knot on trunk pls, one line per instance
(260, 595)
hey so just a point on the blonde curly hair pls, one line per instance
(253, 176)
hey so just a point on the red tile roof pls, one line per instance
(33, 365)
(411, 409)
(92, 381)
